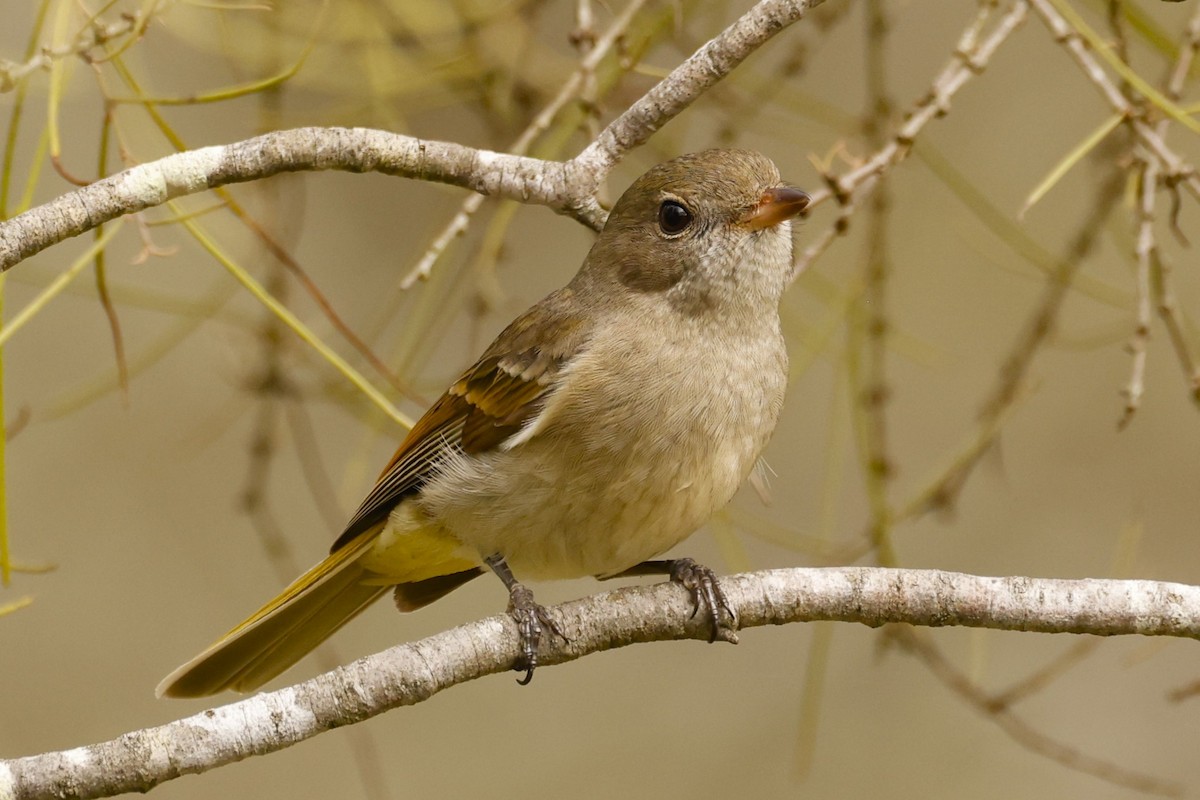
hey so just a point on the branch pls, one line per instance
(567, 187)
(1146, 252)
(550, 183)
(688, 81)
(1173, 166)
(574, 85)
(970, 59)
(410, 673)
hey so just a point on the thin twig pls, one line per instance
(1025, 734)
(1012, 377)
(1160, 272)
(1174, 168)
(93, 35)
(970, 59)
(872, 387)
(578, 82)
(688, 81)
(1168, 311)
(1146, 252)
(1183, 63)
(584, 40)
(1151, 276)
(1042, 678)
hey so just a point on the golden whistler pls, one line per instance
(600, 429)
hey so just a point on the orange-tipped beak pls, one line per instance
(776, 205)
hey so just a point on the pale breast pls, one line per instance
(637, 450)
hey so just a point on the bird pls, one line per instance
(600, 429)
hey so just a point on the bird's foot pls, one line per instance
(531, 619)
(707, 594)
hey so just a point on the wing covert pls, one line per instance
(491, 402)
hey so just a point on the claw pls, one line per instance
(708, 595)
(529, 616)
(531, 619)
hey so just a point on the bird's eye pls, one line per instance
(673, 217)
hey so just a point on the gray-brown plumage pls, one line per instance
(601, 428)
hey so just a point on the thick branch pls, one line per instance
(568, 187)
(410, 673)
(351, 149)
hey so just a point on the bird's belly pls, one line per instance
(558, 508)
(590, 521)
(626, 459)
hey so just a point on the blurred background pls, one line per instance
(958, 371)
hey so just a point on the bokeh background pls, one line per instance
(171, 510)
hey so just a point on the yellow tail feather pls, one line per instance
(283, 631)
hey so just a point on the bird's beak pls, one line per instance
(776, 205)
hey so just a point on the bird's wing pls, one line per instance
(491, 402)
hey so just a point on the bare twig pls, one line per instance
(411, 673)
(1025, 734)
(872, 328)
(96, 33)
(1014, 370)
(567, 187)
(972, 56)
(1160, 273)
(584, 40)
(1146, 253)
(1041, 678)
(1185, 692)
(970, 59)
(1151, 276)
(688, 81)
(1187, 54)
(1174, 168)
(1168, 311)
(578, 82)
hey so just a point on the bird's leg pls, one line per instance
(702, 583)
(529, 616)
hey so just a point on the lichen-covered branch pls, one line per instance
(568, 187)
(351, 149)
(410, 673)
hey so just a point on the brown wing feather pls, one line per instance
(500, 403)
(489, 403)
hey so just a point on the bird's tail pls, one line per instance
(283, 631)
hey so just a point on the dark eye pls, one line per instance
(673, 217)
